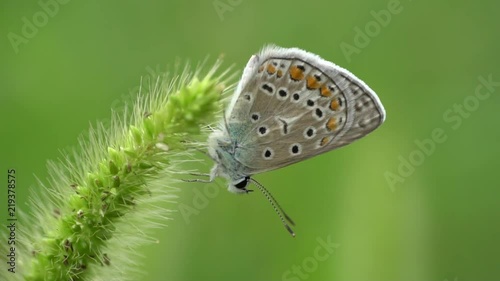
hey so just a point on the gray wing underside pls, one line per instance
(290, 92)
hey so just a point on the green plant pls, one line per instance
(102, 198)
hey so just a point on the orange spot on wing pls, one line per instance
(325, 92)
(279, 73)
(331, 124)
(334, 105)
(271, 69)
(312, 83)
(324, 141)
(296, 73)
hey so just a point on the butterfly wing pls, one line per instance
(291, 105)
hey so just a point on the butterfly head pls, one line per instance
(221, 150)
(239, 185)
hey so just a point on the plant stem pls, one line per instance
(113, 174)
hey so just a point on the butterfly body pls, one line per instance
(289, 105)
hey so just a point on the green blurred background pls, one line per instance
(439, 222)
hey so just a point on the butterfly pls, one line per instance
(289, 105)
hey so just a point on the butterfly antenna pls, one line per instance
(275, 201)
(276, 206)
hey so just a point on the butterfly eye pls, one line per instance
(243, 183)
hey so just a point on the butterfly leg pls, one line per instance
(200, 174)
(199, 180)
(211, 176)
